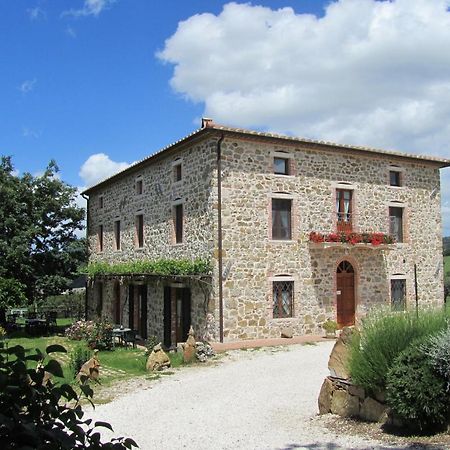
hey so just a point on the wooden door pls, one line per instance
(167, 317)
(142, 300)
(183, 313)
(345, 295)
(131, 306)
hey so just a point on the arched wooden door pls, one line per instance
(345, 295)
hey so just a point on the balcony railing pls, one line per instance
(344, 222)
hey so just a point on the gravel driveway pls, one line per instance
(264, 399)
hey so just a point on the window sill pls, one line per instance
(178, 244)
(282, 175)
(177, 183)
(397, 187)
(139, 249)
(289, 319)
(282, 241)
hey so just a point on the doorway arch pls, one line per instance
(345, 294)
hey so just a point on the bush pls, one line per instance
(415, 392)
(98, 334)
(77, 357)
(383, 336)
(35, 414)
(438, 350)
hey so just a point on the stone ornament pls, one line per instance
(158, 359)
(90, 370)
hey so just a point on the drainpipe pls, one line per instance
(219, 232)
(87, 280)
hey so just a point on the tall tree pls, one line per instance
(39, 249)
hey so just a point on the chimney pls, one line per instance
(206, 122)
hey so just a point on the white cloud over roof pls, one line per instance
(98, 167)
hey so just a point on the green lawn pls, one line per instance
(120, 363)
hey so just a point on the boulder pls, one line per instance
(189, 350)
(326, 391)
(287, 332)
(337, 364)
(158, 359)
(344, 404)
(373, 411)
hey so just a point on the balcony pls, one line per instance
(342, 239)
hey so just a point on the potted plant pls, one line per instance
(330, 327)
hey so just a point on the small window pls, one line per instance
(100, 202)
(396, 223)
(398, 294)
(140, 230)
(177, 172)
(281, 219)
(283, 299)
(117, 234)
(139, 187)
(178, 223)
(281, 166)
(100, 238)
(395, 178)
(344, 210)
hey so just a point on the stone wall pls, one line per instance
(248, 186)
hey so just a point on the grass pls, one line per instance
(447, 267)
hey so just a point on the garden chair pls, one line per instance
(129, 338)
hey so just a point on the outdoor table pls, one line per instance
(119, 333)
(35, 325)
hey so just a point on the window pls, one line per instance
(344, 210)
(178, 223)
(100, 238)
(139, 186)
(177, 172)
(117, 234)
(100, 202)
(283, 296)
(398, 294)
(140, 230)
(281, 166)
(395, 178)
(396, 223)
(281, 219)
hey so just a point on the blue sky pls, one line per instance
(96, 83)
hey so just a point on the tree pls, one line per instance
(38, 221)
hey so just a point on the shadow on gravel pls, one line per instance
(331, 446)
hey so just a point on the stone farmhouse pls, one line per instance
(295, 232)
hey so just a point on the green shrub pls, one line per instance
(77, 357)
(383, 336)
(415, 392)
(150, 342)
(438, 350)
(36, 414)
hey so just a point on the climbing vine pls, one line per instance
(146, 267)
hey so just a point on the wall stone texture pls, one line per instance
(250, 257)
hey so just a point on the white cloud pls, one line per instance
(367, 72)
(36, 13)
(29, 133)
(90, 8)
(71, 32)
(27, 86)
(98, 167)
